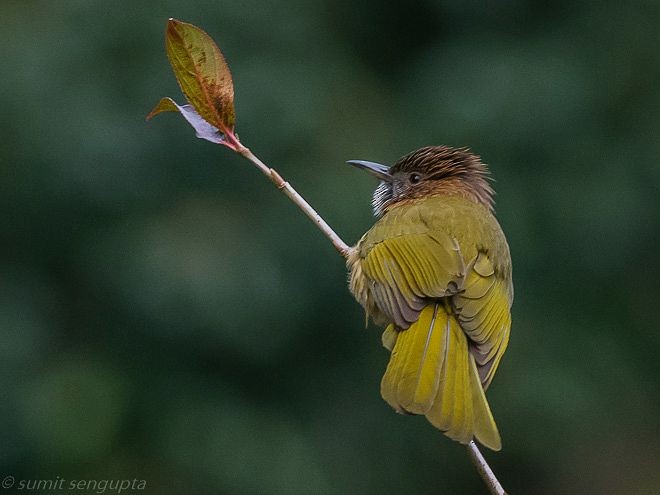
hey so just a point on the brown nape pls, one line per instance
(446, 170)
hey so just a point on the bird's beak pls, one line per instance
(375, 169)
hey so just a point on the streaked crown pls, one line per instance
(434, 170)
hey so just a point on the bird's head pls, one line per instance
(429, 171)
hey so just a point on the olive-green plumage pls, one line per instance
(435, 270)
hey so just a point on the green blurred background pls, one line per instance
(167, 315)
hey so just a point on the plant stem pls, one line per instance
(484, 470)
(293, 195)
(480, 463)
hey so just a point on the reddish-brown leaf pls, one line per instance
(202, 73)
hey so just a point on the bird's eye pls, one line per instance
(414, 178)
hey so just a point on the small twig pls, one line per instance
(480, 463)
(484, 470)
(293, 195)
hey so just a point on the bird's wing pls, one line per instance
(404, 271)
(408, 268)
(483, 311)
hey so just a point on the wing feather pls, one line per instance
(405, 270)
(484, 315)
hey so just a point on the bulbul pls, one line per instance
(435, 270)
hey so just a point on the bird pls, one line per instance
(435, 271)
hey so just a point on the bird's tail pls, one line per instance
(432, 372)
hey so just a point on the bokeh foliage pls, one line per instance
(166, 315)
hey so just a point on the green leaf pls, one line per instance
(202, 73)
(203, 129)
(166, 104)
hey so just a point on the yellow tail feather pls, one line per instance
(431, 372)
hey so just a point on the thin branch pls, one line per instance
(293, 195)
(484, 470)
(480, 463)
